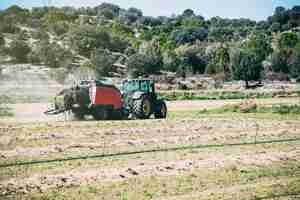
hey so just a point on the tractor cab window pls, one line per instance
(136, 85)
(145, 86)
(131, 86)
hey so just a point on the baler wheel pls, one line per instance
(78, 116)
(102, 114)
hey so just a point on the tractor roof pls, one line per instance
(138, 80)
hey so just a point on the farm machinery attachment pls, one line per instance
(137, 99)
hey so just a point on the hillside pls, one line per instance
(108, 41)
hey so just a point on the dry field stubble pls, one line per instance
(261, 171)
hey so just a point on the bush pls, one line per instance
(34, 57)
(246, 66)
(23, 35)
(279, 62)
(59, 28)
(85, 39)
(2, 41)
(143, 65)
(52, 55)
(189, 35)
(193, 56)
(40, 34)
(103, 62)
(288, 40)
(9, 28)
(19, 50)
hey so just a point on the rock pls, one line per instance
(132, 171)
(122, 176)
(169, 168)
(247, 106)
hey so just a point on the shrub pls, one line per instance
(9, 28)
(246, 67)
(87, 38)
(2, 41)
(40, 34)
(19, 50)
(143, 65)
(59, 28)
(34, 57)
(189, 35)
(53, 55)
(103, 62)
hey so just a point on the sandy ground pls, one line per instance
(30, 112)
(41, 137)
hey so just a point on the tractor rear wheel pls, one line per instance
(142, 108)
(161, 113)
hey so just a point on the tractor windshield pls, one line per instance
(137, 85)
(130, 86)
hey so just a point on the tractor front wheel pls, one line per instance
(142, 108)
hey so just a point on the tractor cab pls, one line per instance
(129, 86)
(141, 100)
(138, 85)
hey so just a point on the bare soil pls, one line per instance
(231, 172)
(34, 112)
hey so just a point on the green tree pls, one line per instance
(288, 40)
(107, 13)
(193, 57)
(188, 13)
(246, 66)
(171, 61)
(54, 16)
(15, 15)
(40, 34)
(221, 34)
(275, 27)
(8, 27)
(219, 61)
(108, 10)
(19, 50)
(2, 41)
(285, 58)
(52, 54)
(103, 61)
(294, 62)
(142, 65)
(279, 61)
(87, 38)
(260, 45)
(59, 28)
(189, 35)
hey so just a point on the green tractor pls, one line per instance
(141, 101)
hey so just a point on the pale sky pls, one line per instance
(254, 9)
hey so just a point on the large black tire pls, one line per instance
(78, 116)
(161, 112)
(142, 108)
(102, 114)
(78, 113)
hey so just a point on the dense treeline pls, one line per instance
(107, 37)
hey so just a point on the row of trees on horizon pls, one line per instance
(229, 49)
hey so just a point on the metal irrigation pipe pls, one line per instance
(180, 148)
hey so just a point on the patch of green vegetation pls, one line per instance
(4, 99)
(225, 95)
(5, 111)
(276, 109)
(259, 178)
